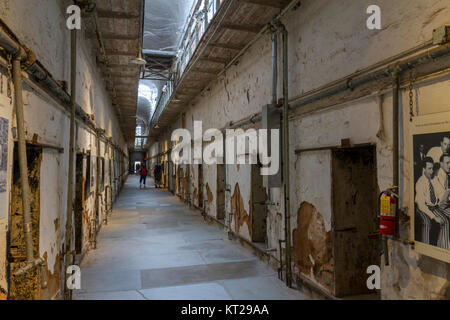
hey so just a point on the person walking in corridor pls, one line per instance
(144, 174)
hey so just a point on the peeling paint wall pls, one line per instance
(28, 286)
(324, 37)
(45, 33)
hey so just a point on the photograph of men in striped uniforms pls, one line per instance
(426, 202)
(432, 191)
(442, 188)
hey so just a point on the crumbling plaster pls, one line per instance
(321, 44)
(45, 33)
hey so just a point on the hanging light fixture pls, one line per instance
(139, 60)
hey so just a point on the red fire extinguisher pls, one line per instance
(388, 211)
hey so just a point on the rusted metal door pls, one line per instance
(258, 199)
(354, 218)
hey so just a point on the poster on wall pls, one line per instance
(431, 183)
(4, 129)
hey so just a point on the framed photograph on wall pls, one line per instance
(430, 185)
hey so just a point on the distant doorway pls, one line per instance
(220, 192)
(200, 185)
(79, 200)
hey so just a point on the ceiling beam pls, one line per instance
(214, 59)
(113, 36)
(226, 46)
(116, 14)
(129, 67)
(242, 27)
(279, 4)
(206, 71)
(111, 52)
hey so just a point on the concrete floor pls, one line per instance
(156, 248)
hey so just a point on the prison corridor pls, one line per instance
(155, 247)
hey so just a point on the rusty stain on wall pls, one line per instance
(239, 213)
(196, 197)
(53, 279)
(313, 246)
(209, 194)
(56, 222)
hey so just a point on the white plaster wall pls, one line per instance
(50, 206)
(46, 35)
(327, 41)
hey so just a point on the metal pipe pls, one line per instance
(285, 150)
(160, 53)
(280, 270)
(274, 67)
(395, 148)
(286, 155)
(8, 43)
(312, 149)
(22, 150)
(395, 133)
(69, 214)
(379, 64)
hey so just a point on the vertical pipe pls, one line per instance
(395, 149)
(274, 67)
(27, 220)
(73, 78)
(287, 207)
(395, 134)
(274, 102)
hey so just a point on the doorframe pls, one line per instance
(333, 232)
